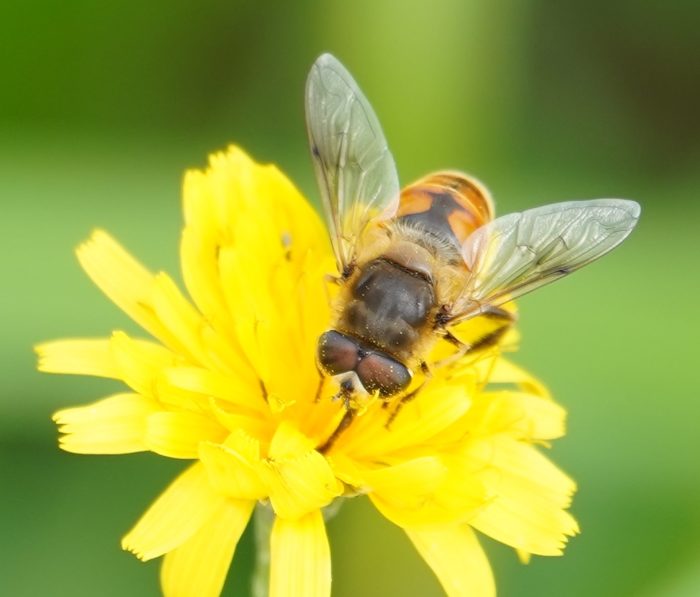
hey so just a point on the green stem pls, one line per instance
(262, 521)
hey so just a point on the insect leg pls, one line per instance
(410, 396)
(342, 426)
(346, 393)
(462, 349)
(319, 388)
(401, 402)
(503, 319)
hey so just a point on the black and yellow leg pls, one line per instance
(346, 394)
(501, 321)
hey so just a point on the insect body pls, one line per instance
(416, 262)
(399, 282)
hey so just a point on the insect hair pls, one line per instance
(441, 248)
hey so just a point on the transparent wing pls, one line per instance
(520, 252)
(354, 168)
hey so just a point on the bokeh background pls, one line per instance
(103, 106)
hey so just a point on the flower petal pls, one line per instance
(299, 479)
(517, 414)
(529, 498)
(233, 419)
(240, 392)
(140, 363)
(124, 280)
(78, 357)
(248, 295)
(506, 372)
(457, 559)
(438, 406)
(300, 557)
(180, 511)
(198, 567)
(420, 474)
(114, 425)
(199, 256)
(234, 468)
(181, 318)
(424, 491)
(289, 442)
(178, 434)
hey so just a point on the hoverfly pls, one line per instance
(415, 262)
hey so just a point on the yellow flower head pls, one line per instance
(231, 383)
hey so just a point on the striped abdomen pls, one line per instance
(448, 205)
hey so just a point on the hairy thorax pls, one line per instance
(389, 307)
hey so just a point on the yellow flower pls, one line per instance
(231, 384)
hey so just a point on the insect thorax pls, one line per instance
(388, 306)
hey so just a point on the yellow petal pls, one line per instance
(232, 389)
(313, 304)
(289, 442)
(300, 559)
(178, 434)
(193, 332)
(423, 492)
(233, 418)
(125, 281)
(234, 468)
(400, 492)
(284, 340)
(438, 406)
(217, 203)
(506, 372)
(518, 414)
(299, 479)
(198, 567)
(181, 319)
(244, 281)
(300, 484)
(417, 476)
(347, 470)
(294, 215)
(457, 559)
(529, 497)
(180, 511)
(200, 210)
(234, 183)
(140, 363)
(199, 256)
(77, 356)
(114, 425)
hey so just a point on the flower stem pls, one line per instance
(262, 521)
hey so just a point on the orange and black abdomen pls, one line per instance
(449, 205)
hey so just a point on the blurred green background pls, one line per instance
(102, 107)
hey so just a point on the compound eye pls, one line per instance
(380, 372)
(337, 353)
